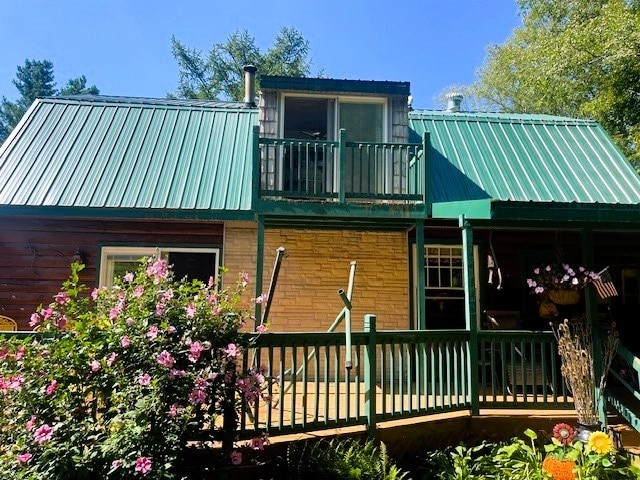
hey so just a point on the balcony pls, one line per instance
(340, 171)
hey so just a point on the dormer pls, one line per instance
(317, 108)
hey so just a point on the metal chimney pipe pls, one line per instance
(454, 100)
(250, 85)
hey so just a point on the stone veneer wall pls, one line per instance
(316, 266)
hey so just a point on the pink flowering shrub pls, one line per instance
(122, 378)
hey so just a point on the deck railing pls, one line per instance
(398, 374)
(340, 170)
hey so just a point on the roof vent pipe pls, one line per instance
(454, 100)
(250, 86)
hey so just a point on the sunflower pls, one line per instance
(600, 442)
(559, 469)
(564, 433)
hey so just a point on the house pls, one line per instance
(445, 213)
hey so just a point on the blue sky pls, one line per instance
(123, 46)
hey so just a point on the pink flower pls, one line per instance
(35, 320)
(62, 298)
(173, 410)
(61, 323)
(261, 329)
(112, 358)
(95, 366)
(125, 341)
(116, 464)
(171, 329)
(152, 333)
(158, 270)
(195, 351)
(231, 351)
(94, 293)
(144, 380)
(244, 278)
(113, 313)
(52, 387)
(236, 457)
(211, 282)
(177, 373)
(258, 443)
(130, 321)
(16, 382)
(261, 299)
(168, 295)
(128, 277)
(19, 353)
(25, 457)
(160, 308)
(165, 359)
(197, 396)
(43, 433)
(31, 423)
(143, 465)
(46, 313)
(138, 291)
(191, 310)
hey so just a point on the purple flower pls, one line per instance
(195, 350)
(197, 396)
(62, 298)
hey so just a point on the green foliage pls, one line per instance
(36, 79)
(522, 459)
(117, 383)
(220, 72)
(577, 58)
(342, 459)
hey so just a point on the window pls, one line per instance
(444, 286)
(193, 263)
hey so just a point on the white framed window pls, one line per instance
(193, 263)
(444, 285)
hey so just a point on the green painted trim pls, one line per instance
(590, 213)
(259, 270)
(311, 210)
(257, 171)
(480, 209)
(330, 85)
(125, 213)
(370, 375)
(470, 312)
(421, 300)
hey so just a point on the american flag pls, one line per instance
(604, 285)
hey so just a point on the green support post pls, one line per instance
(342, 165)
(591, 307)
(470, 311)
(421, 313)
(259, 269)
(257, 172)
(370, 369)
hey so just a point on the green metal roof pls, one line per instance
(332, 85)
(129, 154)
(484, 158)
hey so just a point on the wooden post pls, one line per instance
(421, 281)
(370, 369)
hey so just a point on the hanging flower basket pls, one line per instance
(563, 296)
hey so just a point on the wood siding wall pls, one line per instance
(35, 253)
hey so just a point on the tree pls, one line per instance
(220, 73)
(574, 58)
(36, 79)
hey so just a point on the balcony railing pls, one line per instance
(341, 171)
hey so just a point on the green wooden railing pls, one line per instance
(623, 390)
(340, 170)
(398, 374)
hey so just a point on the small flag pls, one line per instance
(604, 285)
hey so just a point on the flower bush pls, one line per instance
(119, 381)
(551, 276)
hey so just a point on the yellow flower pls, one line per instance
(600, 442)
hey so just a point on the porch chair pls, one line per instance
(7, 324)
